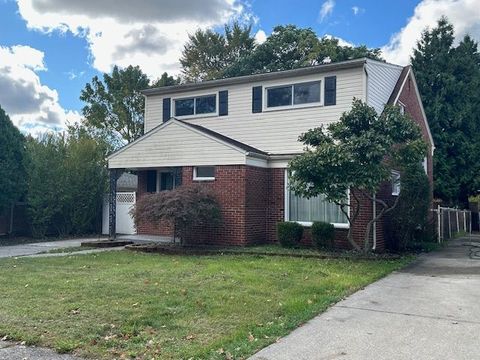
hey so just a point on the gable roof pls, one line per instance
(178, 143)
(397, 90)
(315, 69)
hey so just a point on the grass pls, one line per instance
(123, 304)
(70, 249)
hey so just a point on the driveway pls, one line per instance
(429, 310)
(36, 248)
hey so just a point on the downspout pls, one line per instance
(374, 204)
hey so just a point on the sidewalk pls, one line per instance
(36, 248)
(429, 310)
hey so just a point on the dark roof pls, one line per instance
(127, 182)
(398, 85)
(256, 77)
(223, 138)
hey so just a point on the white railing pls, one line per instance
(452, 221)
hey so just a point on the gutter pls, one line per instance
(374, 246)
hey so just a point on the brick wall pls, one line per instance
(252, 203)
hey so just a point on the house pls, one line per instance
(237, 135)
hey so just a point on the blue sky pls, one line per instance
(49, 49)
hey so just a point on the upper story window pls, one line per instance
(198, 105)
(295, 94)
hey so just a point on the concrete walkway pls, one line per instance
(429, 310)
(13, 351)
(40, 247)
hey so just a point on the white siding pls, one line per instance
(270, 131)
(175, 145)
(382, 78)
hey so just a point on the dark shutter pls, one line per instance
(256, 99)
(330, 90)
(223, 103)
(166, 109)
(177, 172)
(151, 181)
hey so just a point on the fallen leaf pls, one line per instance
(250, 337)
(26, 285)
(309, 301)
(228, 356)
(135, 305)
(190, 337)
(221, 351)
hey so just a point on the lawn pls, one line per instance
(123, 304)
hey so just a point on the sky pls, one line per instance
(49, 49)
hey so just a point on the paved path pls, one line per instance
(12, 351)
(36, 248)
(429, 310)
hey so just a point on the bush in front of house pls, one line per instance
(323, 235)
(185, 207)
(289, 234)
(408, 223)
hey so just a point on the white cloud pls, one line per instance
(148, 33)
(341, 42)
(260, 36)
(326, 9)
(463, 14)
(357, 10)
(31, 105)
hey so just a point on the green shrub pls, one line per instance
(289, 233)
(323, 235)
(408, 222)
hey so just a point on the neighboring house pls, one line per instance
(237, 135)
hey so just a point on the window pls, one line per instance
(166, 180)
(306, 93)
(204, 173)
(314, 209)
(402, 108)
(425, 164)
(291, 95)
(395, 183)
(196, 105)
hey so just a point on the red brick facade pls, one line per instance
(252, 200)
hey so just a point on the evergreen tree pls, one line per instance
(448, 79)
(12, 167)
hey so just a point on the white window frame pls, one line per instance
(425, 164)
(200, 178)
(286, 211)
(396, 187)
(195, 115)
(292, 106)
(159, 178)
(401, 107)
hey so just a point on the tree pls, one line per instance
(290, 47)
(66, 182)
(115, 105)
(12, 167)
(185, 207)
(448, 78)
(207, 53)
(356, 154)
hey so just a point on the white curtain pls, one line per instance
(315, 209)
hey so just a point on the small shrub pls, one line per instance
(289, 233)
(323, 235)
(186, 207)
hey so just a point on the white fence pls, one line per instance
(451, 222)
(124, 223)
